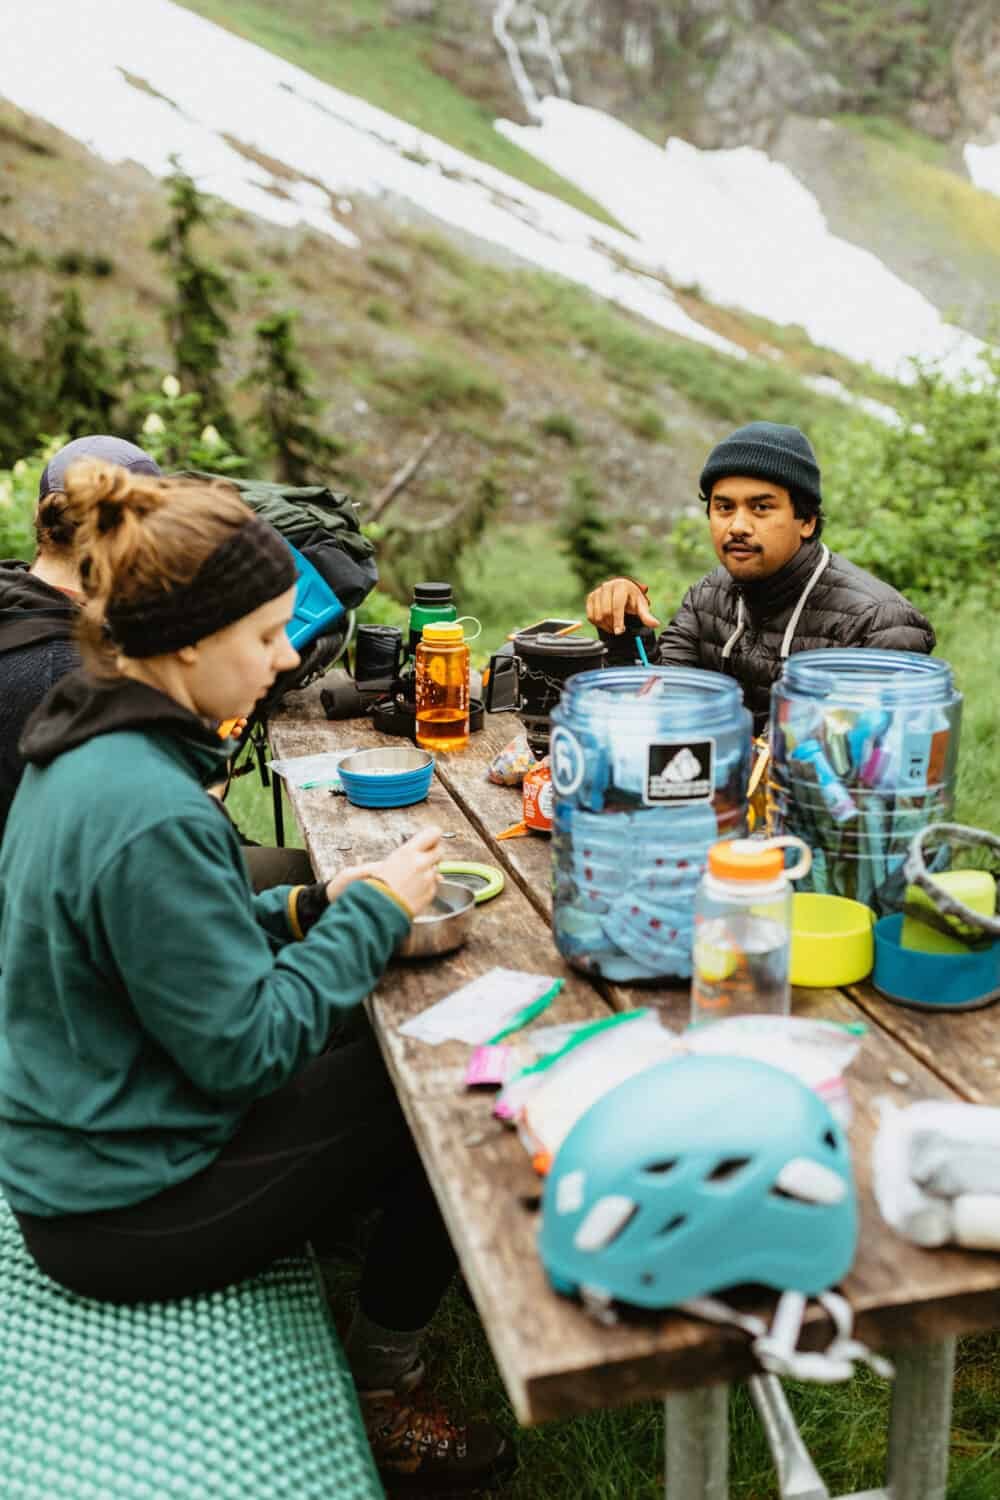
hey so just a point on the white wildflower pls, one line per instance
(210, 436)
(171, 387)
(154, 424)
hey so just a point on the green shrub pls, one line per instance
(18, 498)
(590, 536)
(436, 384)
(393, 267)
(560, 424)
(379, 311)
(917, 504)
(646, 422)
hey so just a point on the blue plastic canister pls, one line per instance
(649, 769)
(864, 754)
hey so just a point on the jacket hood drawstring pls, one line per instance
(792, 626)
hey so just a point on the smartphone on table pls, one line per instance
(548, 627)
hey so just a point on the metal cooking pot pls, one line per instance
(444, 925)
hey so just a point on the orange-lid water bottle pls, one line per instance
(442, 687)
(743, 929)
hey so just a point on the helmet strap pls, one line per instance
(776, 1347)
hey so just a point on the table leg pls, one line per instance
(920, 1423)
(698, 1444)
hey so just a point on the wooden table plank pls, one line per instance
(555, 1361)
(961, 1047)
(506, 931)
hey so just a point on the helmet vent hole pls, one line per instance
(671, 1225)
(829, 1139)
(727, 1169)
(647, 1278)
(660, 1168)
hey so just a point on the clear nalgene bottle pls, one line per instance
(743, 928)
(442, 687)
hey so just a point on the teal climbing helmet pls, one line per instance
(697, 1175)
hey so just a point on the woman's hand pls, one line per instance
(411, 870)
(345, 877)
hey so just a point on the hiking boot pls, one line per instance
(420, 1448)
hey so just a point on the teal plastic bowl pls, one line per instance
(933, 981)
(390, 776)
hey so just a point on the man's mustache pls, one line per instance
(742, 547)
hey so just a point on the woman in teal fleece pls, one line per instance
(171, 1116)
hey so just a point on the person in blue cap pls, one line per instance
(778, 588)
(39, 601)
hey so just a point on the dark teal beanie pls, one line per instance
(765, 450)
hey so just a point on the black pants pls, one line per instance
(330, 1142)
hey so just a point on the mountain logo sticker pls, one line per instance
(680, 771)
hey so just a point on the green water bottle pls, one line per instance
(432, 605)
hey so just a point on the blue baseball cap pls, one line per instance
(113, 450)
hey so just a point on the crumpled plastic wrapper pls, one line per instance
(509, 765)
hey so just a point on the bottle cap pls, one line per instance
(742, 859)
(432, 593)
(443, 633)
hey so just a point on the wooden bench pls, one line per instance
(241, 1394)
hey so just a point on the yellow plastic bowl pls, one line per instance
(832, 940)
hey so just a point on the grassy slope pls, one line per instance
(889, 190)
(529, 378)
(348, 44)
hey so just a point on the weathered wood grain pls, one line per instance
(554, 1359)
(961, 1047)
(506, 931)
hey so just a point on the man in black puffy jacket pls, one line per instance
(779, 588)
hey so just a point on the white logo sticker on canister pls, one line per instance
(566, 759)
(679, 771)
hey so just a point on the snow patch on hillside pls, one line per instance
(749, 234)
(212, 85)
(983, 165)
(144, 80)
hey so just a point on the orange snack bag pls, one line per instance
(537, 798)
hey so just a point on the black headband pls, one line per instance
(251, 567)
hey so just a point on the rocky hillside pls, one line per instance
(868, 104)
(525, 378)
(726, 72)
(521, 378)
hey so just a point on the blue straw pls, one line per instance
(641, 650)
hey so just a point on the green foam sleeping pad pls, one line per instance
(242, 1394)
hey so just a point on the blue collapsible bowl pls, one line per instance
(390, 776)
(933, 981)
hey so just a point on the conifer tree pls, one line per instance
(286, 403)
(79, 392)
(593, 552)
(196, 320)
(20, 395)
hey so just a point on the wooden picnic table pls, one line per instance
(555, 1360)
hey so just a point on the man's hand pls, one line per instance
(411, 870)
(611, 601)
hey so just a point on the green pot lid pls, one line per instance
(486, 881)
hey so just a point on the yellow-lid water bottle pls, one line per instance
(442, 687)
